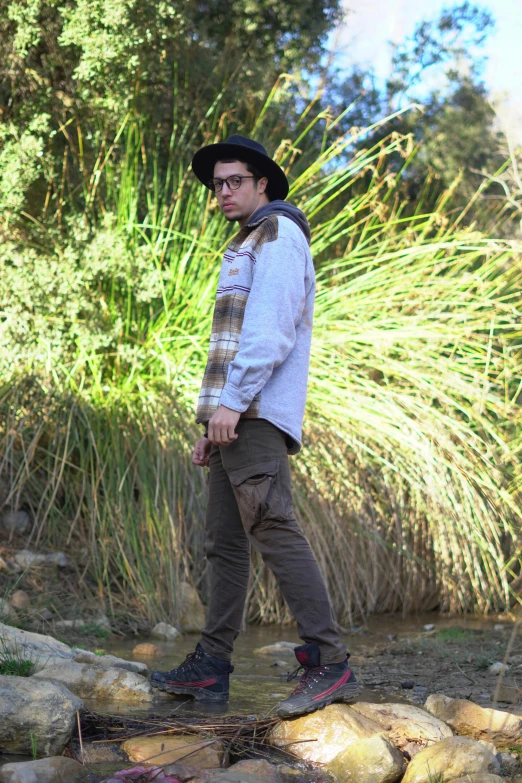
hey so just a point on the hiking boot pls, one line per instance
(319, 685)
(200, 675)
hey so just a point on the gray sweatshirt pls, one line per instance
(262, 326)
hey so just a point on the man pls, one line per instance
(252, 402)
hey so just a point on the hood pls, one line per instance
(280, 207)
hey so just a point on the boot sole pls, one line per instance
(200, 694)
(346, 694)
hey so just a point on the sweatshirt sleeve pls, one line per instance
(274, 308)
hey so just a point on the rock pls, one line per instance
(204, 754)
(44, 710)
(165, 631)
(409, 728)
(498, 668)
(429, 627)
(321, 735)
(280, 648)
(35, 647)
(227, 776)
(147, 649)
(372, 760)
(454, 757)
(509, 763)
(186, 773)
(480, 777)
(100, 753)
(509, 694)
(470, 720)
(257, 767)
(6, 610)
(25, 559)
(76, 624)
(143, 775)
(109, 661)
(97, 682)
(59, 769)
(21, 600)
(17, 521)
(192, 611)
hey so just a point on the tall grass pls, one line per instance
(408, 486)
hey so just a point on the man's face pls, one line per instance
(239, 204)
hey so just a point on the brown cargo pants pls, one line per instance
(250, 502)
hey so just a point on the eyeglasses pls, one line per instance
(234, 182)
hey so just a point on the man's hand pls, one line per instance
(202, 452)
(222, 425)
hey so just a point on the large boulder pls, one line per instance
(409, 728)
(45, 651)
(470, 720)
(372, 760)
(53, 770)
(450, 759)
(39, 712)
(192, 614)
(34, 647)
(97, 682)
(321, 735)
(201, 753)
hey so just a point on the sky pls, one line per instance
(370, 24)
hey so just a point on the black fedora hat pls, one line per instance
(246, 150)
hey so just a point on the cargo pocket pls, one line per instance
(259, 495)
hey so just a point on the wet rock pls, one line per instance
(52, 770)
(26, 559)
(498, 668)
(470, 720)
(16, 521)
(147, 649)
(204, 754)
(409, 728)
(192, 611)
(321, 735)
(109, 661)
(509, 694)
(450, 759)
(21, 600)
(372, 760)
(165, 631)
(97, 682)
(257, 767)
(280, 648)
(44, 710)
(35, 647)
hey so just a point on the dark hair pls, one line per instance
(249, 167)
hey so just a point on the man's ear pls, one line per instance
(262, 184)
